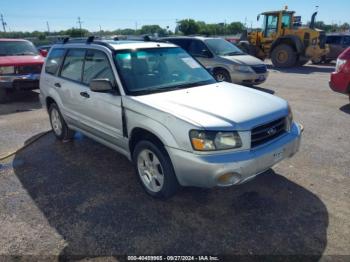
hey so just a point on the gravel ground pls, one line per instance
(82, 199)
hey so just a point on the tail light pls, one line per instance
(340, 64)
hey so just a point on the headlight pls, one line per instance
(6, 70)
(243, 68)
(213, 140)
(289, 119)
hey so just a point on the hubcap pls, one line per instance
(150, 170)
(220, 77)
(282, 56)
(56, 122)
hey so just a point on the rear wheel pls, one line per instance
(59, 126)
(222, 75)
(155, 169)
(283, 56)
(302, 61)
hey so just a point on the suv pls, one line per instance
(158, 106)
(20, 66)
(228, 62)
(337, 44)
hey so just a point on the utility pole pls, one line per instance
(48, 27)
(79, 22)
(3, 22)
(100, 30)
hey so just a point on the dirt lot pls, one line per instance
(83, 199)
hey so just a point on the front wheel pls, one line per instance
(283, 56)
(155, 170)
(222, 75)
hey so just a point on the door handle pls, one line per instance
(58, 85)
(85, 94)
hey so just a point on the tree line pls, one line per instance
(184, 27)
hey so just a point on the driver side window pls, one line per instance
(197, 48)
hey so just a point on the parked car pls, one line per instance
(229, 63)
(337, 43)
(340, 79)
(44, 49)
(20, 66)
(159, 107)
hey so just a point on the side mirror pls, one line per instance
(43, 52)
(101, 85)
(206, 53)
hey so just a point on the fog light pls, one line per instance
(229, 179)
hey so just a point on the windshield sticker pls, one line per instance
(191, 62)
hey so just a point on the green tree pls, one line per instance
(188, 27)
(235, 28)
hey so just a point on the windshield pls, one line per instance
(222, 47)
(153, 70)
(11, 48)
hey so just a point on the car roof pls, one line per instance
(191, 37)
(12, 39)
(117, 44)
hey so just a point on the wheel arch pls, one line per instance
(291, 40)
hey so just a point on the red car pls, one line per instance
(20, 66)
(340, 79)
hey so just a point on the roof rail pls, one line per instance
(65, 40)
(90, 39)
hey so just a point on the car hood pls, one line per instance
(21, 60)
(223, 106)
(244, 60)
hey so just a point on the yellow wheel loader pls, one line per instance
(284, 40)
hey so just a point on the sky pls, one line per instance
(30, 15)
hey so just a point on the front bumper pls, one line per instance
(205, 170)
(20, 82)
(248, 78)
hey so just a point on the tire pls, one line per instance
(283, 56)
(302, 61)
(222, 75)
(157, 176)
(3, 95)
(59, 126)
(317, 61)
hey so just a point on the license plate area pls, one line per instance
(278, 155)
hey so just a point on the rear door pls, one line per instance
(71, 87)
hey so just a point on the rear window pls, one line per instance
(53, 61)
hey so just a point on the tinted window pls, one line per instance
(197, 48)
(73, 64)
(183, 43)
(336, 40)
(346, 40)
(97, 66)
(54, 60)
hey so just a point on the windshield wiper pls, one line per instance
(172, 88)
(233, 53)
(25, 53)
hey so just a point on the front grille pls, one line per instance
(267, 132)
(28, 69)
(259, 69)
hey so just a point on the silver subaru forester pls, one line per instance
(155, 104)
